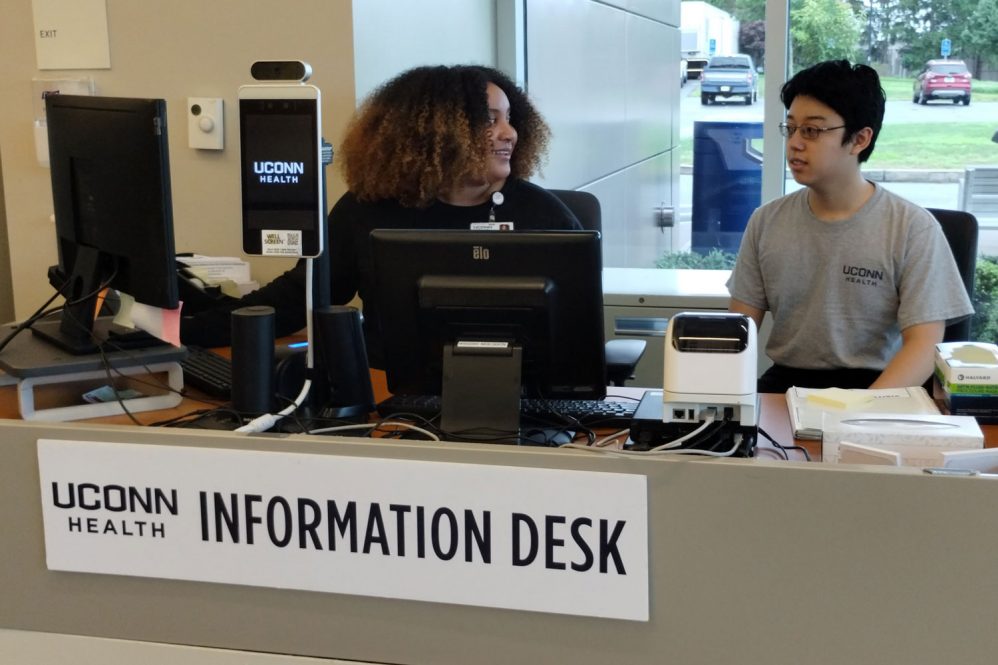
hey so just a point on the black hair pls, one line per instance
(852, 91)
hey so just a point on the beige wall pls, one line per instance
(386, 43)
(176, 49)
(171, 49)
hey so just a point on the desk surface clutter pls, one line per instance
(790, 419)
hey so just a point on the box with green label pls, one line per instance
(969, 368)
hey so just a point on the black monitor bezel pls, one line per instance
(568, 261)
(125, 237)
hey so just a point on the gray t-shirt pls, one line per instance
(841, 292)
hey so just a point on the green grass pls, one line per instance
(920, 146)
(927, 145)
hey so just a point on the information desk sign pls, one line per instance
(545, 540)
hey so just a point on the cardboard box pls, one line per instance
(920, 439)
(969, 368)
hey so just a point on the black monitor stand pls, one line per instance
(481, 387)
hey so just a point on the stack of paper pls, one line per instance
(807, 406)
(230, 273)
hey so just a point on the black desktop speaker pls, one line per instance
(253, 359)
(341, 376)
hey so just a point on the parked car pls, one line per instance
(942, 79)
(729, 76)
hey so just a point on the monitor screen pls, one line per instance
(114, 224)
(281, 173)
(539, 290)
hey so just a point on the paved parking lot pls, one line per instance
(691, 110)
(924, 189)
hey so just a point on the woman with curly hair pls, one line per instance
(434, 148)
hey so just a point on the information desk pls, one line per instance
(748, 561)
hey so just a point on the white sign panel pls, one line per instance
(569, 542)
(71, 34)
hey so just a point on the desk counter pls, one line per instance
(749, 561)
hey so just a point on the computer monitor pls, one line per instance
(114, 225)
(460, 308)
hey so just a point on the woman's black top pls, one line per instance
(526, 206)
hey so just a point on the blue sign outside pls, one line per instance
(945, 48)
(711, 46)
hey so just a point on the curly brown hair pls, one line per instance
(424, 133)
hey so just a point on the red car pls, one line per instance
(943, 79)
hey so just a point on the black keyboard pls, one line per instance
(208, 372)
(545, 412)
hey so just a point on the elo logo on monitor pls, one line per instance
(279, 132)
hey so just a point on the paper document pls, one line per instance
(217, 268)
(805, 414)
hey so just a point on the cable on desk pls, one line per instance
(42, 312)
(558, 429)
(374, 426)
(611, 439)
(193, 418)
(268, 420)
(783, 448)
(711, 414)
(674, 447)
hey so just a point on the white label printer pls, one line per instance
(709, 378)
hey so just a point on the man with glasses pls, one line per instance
(860, 282)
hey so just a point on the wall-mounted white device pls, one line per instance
(205, 123)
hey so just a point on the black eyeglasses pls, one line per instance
(807, 132)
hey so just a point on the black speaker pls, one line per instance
(253, 359)
(342, 377)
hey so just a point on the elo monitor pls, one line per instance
(113, 218)
(443, 294)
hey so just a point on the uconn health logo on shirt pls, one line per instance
(864, 276)
(285, 173)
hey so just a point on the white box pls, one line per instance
(920, 439)
(976, 373)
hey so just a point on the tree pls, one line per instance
(981, 32)
(921, 26)
(752, 39)
(749, 10)
(823, 30)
